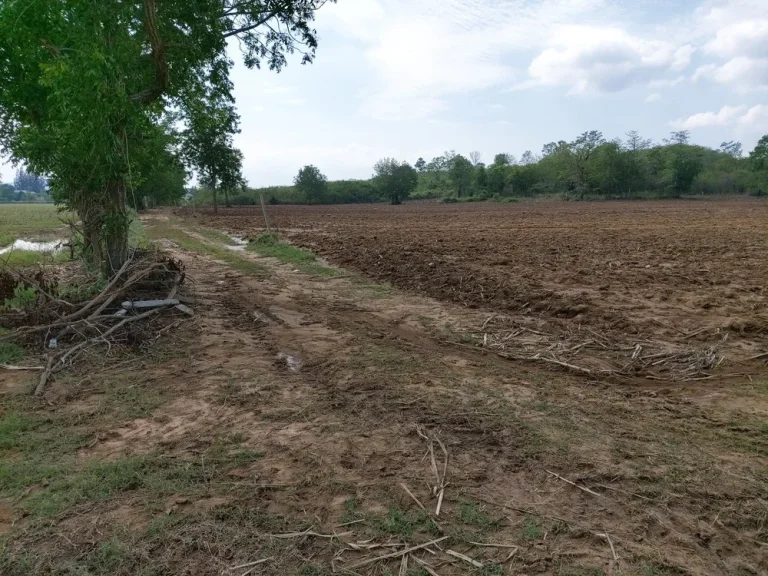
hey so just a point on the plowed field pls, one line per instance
(662, 289)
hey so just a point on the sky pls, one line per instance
(414, 78)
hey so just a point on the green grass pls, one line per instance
(531, 529)
(473, 514)
(31, 258)
(27, 220)
(215, 235)
(187, 242)
(10, 353)
(306, 261)
(402, 524)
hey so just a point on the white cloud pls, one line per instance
(666, 83)
(599, 59)
(423, 53)
(735, 33)
(753, 118)
(741, 72)
(655, 97)
(748, 37)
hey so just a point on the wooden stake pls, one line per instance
(264, 211)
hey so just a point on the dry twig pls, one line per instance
(587, 490)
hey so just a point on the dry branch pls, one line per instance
(12, 367)
(397, 554)
(587, 490)
(464, 558)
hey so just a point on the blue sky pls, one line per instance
(408, 78)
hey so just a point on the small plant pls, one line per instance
(531, 530)
(24, 297)
(10, 353)
(471, 513)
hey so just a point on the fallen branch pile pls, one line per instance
(143, 288)
(584, 351)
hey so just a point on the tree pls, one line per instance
(481, 178)
(85, 86)
(312, 184)
(582, 150)
(29, 181)
(461, 174)
(679, 137)
(497, 178)
(731, 148)
(758, 158)
(504, 159)
(475, 157)
(420, 164)
(683, 165)
(396, 180)
(207, 143)
(7, 193)
(527, 158)
(636, 142)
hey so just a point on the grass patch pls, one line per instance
(20, 220)
(10, 353)
(473, 514)
(31, 258)
(215, 235)
(306, 261)
(531, 529)
(402, 524)
(188, 242)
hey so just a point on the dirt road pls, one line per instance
(295, 423)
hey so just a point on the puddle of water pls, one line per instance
(291, 362)
(27, 246)
(240, 244)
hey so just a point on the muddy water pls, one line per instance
(27, 246)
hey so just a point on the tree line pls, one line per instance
(587, 167)
(26, 187)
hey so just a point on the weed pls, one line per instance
(489, 570)
(578, 571)
(473, 514)
(10, 353)
(24, 297)
(403, 524)
(530, 530)
(310, 569)
(107, 557)
(304, 260)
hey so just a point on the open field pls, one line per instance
(29, 221)
(289, 428)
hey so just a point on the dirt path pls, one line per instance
(302, 402)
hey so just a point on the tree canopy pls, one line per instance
(311, 184)
(87, 87)
(395, 179)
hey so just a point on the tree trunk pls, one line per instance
(91, 238)
(215, 205)
(226, 197)
(116, 228)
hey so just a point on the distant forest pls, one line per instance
(589, 167)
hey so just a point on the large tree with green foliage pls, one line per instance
(461, 172)
(396, 180)
(86, 85)
(311, 184)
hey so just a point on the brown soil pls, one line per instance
(674, 473)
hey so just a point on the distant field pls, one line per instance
(29, 221)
